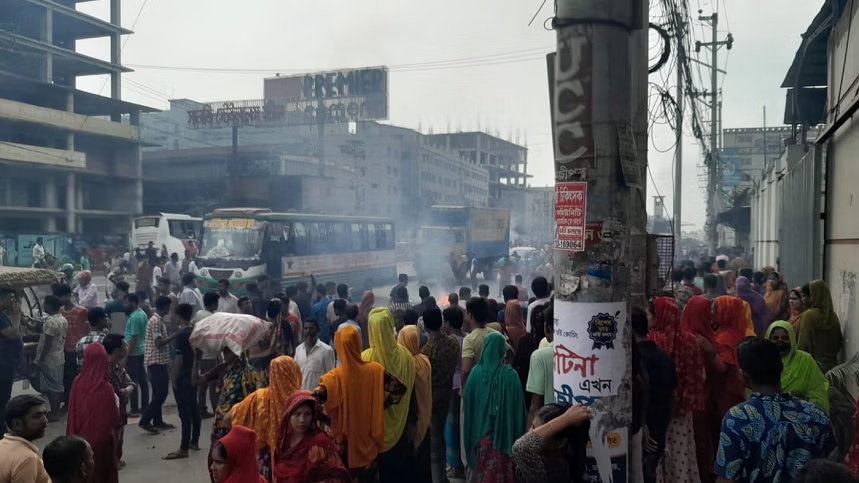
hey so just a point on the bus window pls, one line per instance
(384, 234)
(389, 229)
(184, 229)
(371, 237)
(344, 237)
(314, 245)
(300, 239)
(289, 237)
(356, 237)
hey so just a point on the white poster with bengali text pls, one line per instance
(590, 358)
(590, 361)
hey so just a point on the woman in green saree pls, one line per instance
(801, 376)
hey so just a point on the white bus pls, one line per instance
(177, 232)
(242, 244)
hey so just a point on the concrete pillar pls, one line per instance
(115, 54)
(71, 199)
(49, 200)
(7, 191)
(137, 152)
(48, 38)
(70, 107)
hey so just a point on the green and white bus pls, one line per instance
(243, 244)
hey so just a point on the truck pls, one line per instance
(458, 235)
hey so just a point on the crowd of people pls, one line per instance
(728, 384)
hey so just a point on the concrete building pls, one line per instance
(804, 213)
(71, 160)
(367, 168)
(506, 161)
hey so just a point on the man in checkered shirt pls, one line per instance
(98, 329)
(156, 359)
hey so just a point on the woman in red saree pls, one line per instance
(680, 463)
(305, 453)
(731, 323)
(94, 413)
(698, 319)
(234, 457)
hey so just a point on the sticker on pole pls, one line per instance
(590, 358)
(571, 201)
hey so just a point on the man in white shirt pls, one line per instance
(172, 270)
(540, 287)
(227, 302)
(189, 293)
(39, 253)
(314, 357)
(156, 276)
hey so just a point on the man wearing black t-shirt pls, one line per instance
(183, 388)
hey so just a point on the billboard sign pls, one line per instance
(330, 97)
(732, 165)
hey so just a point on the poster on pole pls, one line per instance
(571, 200)
(589, 364)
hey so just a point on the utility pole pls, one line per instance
(598, 85)
(678, 150)
(714, 182)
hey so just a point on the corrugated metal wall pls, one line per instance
(799, 236)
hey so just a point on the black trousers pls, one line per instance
(7, 379)
(137, 373)
(160, 386)
(189, 413)
(70, 372)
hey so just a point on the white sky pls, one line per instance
(501, 85)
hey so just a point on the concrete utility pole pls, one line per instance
(714, 183)
(678, 150)
(599, 117)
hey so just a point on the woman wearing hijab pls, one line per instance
(353, 397)
(264, 409)
(233, 458)
(680, 463)
(94, 413)
(819, 330)
(731, 326)
(396, 463)
(801, 376)
(494, 415)
(797, 305)
(514, 323)
(760, 311)
(305, 453)
(777, 298)
(698, 319)
(364, 308)
(409, 338)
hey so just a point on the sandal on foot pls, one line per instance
(176, 455)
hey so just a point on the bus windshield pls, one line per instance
(230, 238)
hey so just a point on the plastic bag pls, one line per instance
(237, 332)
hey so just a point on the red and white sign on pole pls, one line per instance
(571, 201)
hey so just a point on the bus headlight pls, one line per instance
(237, 274)
(204, 272)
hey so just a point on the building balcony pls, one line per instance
(41, 156)
(76, 123)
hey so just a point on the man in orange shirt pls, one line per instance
(78, 320)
